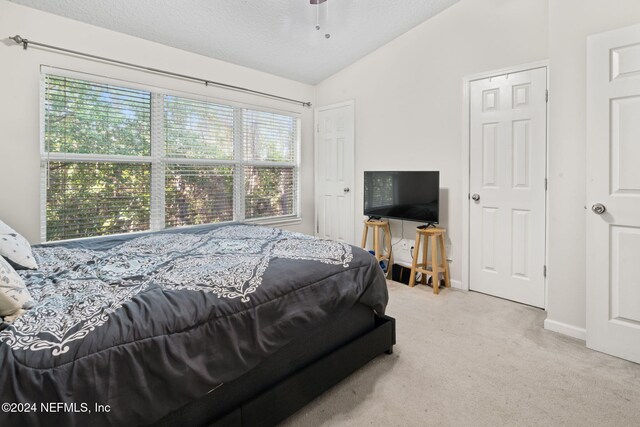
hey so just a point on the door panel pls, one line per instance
(520, 243)
(489, 238)
(625, 129)
(334, 175)
(507, 172)
(613, 180)
(521, 156)
(490, 155)
(625, 247)
(625, 61)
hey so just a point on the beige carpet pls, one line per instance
(467, 359)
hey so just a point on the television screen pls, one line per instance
(413, 196)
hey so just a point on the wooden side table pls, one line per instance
(433, 237)
(381, 254)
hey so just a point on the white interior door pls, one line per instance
(335, 164)
(613, 181)
(508, 125)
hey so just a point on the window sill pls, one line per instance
(275, 221)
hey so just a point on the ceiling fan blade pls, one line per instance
(317, 1)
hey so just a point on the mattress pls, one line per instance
(127, 329)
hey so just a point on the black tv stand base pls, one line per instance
(425, 226)
(375, 218)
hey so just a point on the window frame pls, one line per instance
(157, 159)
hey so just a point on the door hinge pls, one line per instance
(546, 184)
(546, 96)
(545, 271)
(318, 128)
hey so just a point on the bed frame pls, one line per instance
(274, 404)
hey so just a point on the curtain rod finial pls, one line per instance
(20, 40)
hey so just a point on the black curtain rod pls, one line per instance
(25, 44)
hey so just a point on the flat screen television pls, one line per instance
(410, 195)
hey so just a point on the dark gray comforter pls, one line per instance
(145, 324)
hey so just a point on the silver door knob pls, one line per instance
(475, 197)
(599, 208)
(346, 189)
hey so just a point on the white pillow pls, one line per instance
(16, 248)
(14, 295)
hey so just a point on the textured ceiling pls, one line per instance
(276, 36)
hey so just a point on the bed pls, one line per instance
(231, 324)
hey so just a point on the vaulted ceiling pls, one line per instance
(275, 36)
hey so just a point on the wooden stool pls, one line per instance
(381, 255)
(436, 237)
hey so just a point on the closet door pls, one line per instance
(508, 128)
(335, 164)
(613, 193)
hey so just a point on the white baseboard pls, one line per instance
(457, 284)
(565, 329)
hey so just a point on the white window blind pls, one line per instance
(84, 121)
(270, 191)
(89, 199)
(269, 137)
(198, 194)
(270, 159)
(198, 130)
(118, 159)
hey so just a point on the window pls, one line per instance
(118, 160)
(270, 142)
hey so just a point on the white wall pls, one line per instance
(408, 96)
(20, 98)
(408, 114)
(570, 22)
(408, 109)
